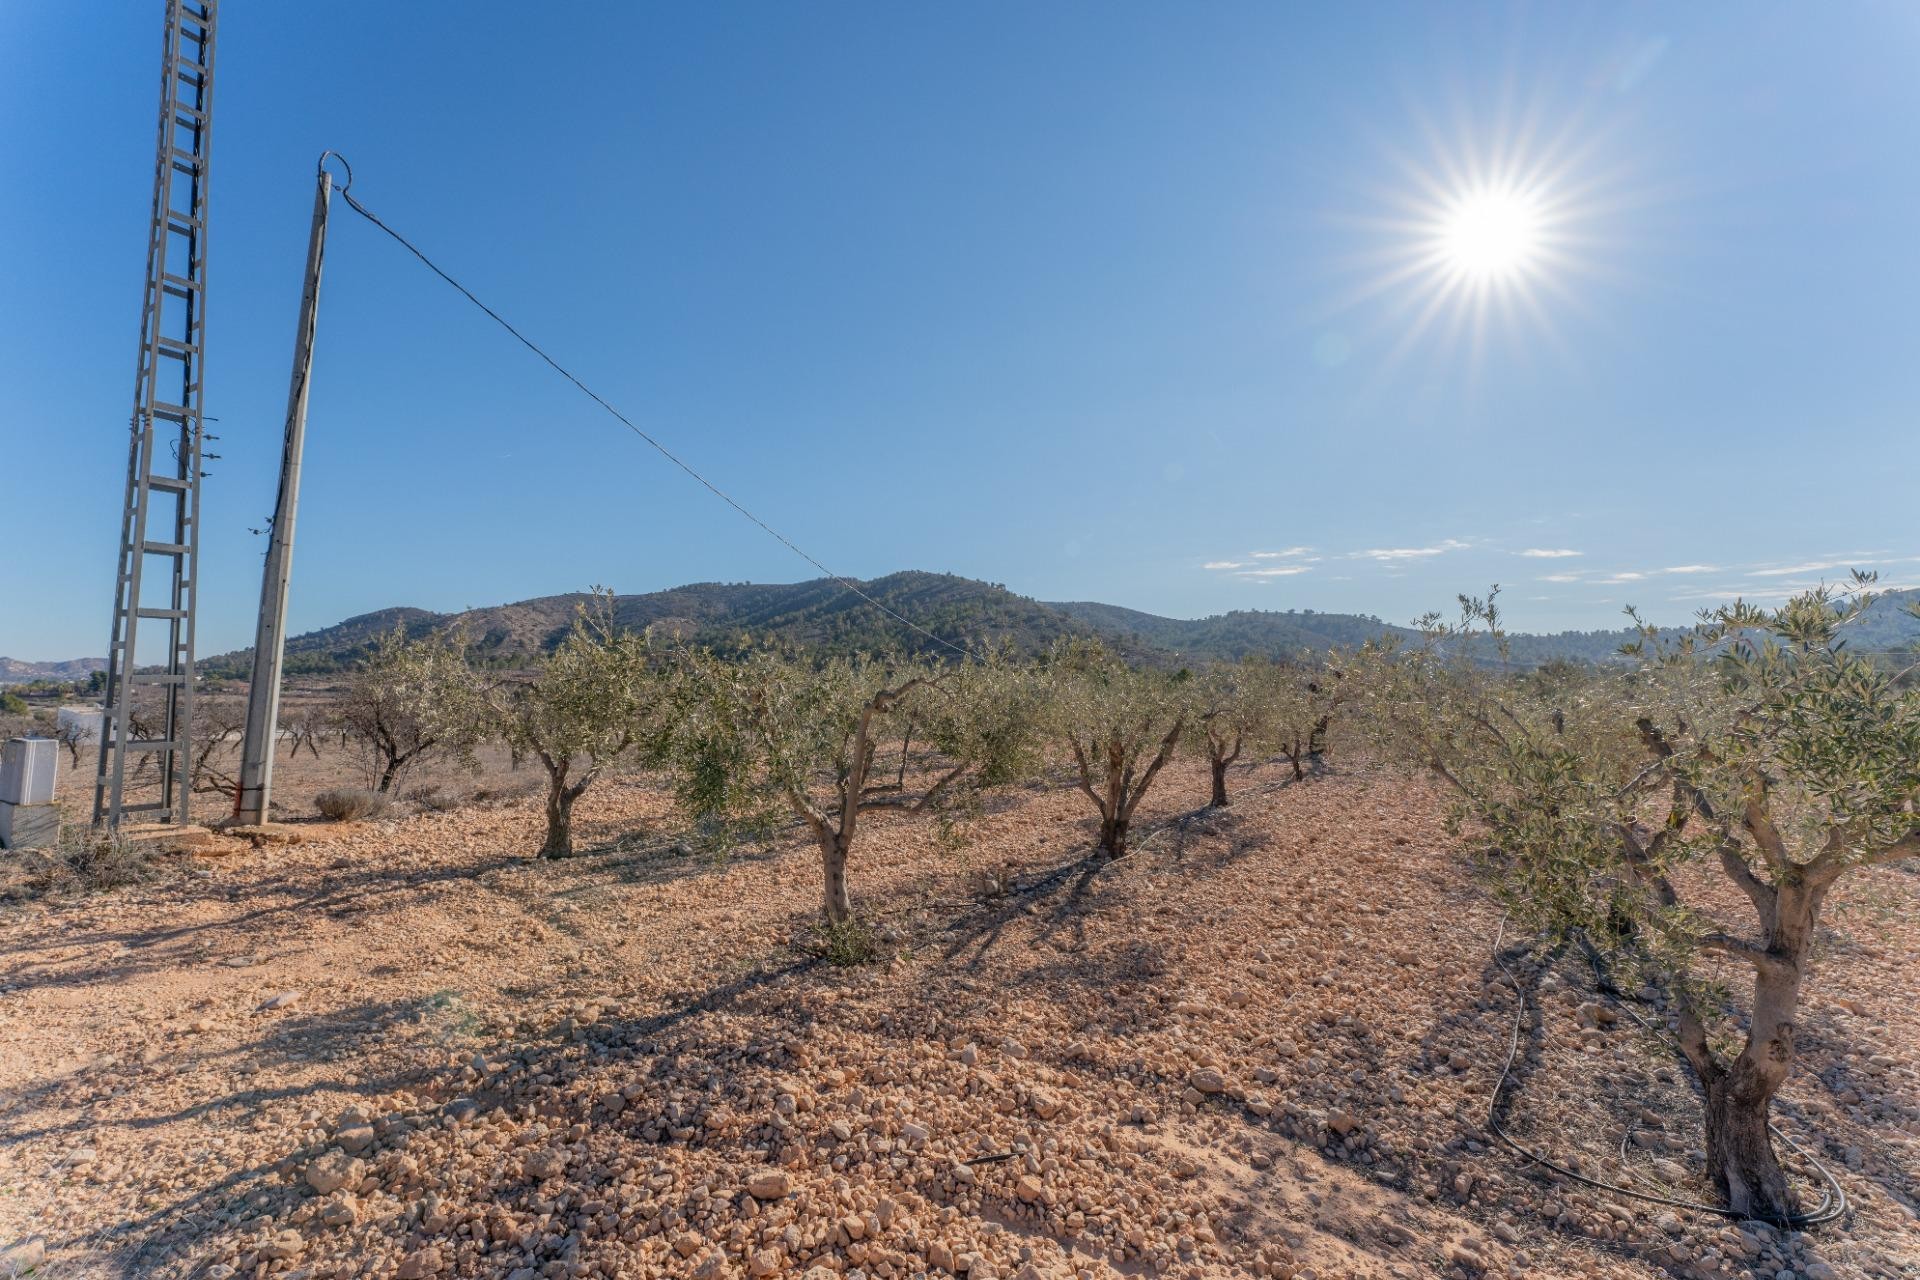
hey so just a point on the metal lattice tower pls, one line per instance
(147, 735)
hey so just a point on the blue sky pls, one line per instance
(1078, 298)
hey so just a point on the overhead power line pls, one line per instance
(630, 425)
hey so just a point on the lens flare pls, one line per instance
(1491, 234)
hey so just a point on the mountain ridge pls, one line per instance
(823, 614)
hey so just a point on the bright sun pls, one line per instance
(1491, 234)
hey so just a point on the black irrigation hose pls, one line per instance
(1833, 1200)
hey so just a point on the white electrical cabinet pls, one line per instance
(26, 770)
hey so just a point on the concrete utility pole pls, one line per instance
(255, 796)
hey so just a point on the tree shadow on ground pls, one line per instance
(192, 1219)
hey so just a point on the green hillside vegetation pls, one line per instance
(823, 616)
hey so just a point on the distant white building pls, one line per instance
(90, 720)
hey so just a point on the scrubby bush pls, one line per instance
(350, 804)
(436, 798)
(80, 861)
(846, 943)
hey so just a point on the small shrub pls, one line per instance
(81, 862)
(436, 799)
(350, 804)
(846, 943)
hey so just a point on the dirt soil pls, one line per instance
(1262, 1045)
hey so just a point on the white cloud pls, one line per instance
(1791, 569)
(1560, 577)
(1394, 555)
(1284, 571)
(1693, 568)
(1224, 564)
(1291, 553)
(1625, 577)
(1543, 553)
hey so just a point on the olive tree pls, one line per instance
(804, 735)
(593, 698)
(1306, 700)
(1121, 724)
(1756, 748)
(1267, 708)
(1235, 708)
(410, 700)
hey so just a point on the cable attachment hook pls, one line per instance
(335, 155)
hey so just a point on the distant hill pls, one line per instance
(726, 616)
(823, 615)
(18, 671)
(1231, 636)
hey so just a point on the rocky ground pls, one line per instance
(1263, 1045)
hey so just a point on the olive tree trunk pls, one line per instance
(1121, 790)
(1739, 1095)
(836, 904)
(560, 799)
(1219, 758)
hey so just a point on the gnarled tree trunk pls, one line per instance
(1740, 1149)
(1219, 799)
(560, 798)
(836, 903)
(1219, 758)
(559, 842)
(1739, 1096)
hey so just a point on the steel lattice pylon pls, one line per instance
(145, 745)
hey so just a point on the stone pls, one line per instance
(265, 833)
(1342, 1123)
(547, 1162)
(1029, 1189)
(461, 1110)
(1466, 1259)
(284, 1244)
(284, 1000)
(332, 1171)
(769, 1184)
(1207, 1080)
(766, 1262)
(355, 1138)
(158, 837)
(23, 1256)
(419, 1264)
